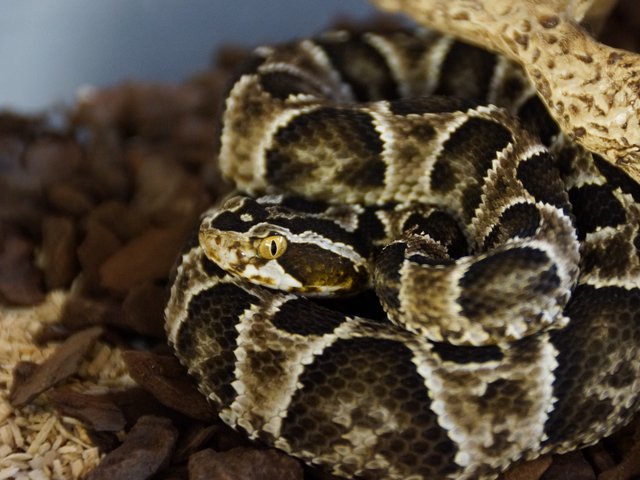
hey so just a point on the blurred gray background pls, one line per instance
(49, 48)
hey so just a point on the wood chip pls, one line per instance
(51, 159)
(169, 382)
(145, 451)
(136, 402)
(600, 458)
(166, 193)
(21, 372)
(58, 257)
(629, 468)
(104, 441)
(532, 470)
(69, 199)
(20, 281)
(144, 259)
(244, 464)
(570, 466)
(63, 363)
(143, 310)
(173, 473)
(196, 438)
(98, 245)
(82, 311)
(97, 412)
(119, 218)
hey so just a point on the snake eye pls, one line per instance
(272, 247)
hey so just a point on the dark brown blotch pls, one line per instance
(534, 116)
(370, 227)
(466, 354)
(300, 316)
(362, 66)
(617, 177)
(520, 220)
(442, 228)
(549, 21)
(610, 257)
(469, 150)
(595, 206)
(482, 294)
(281, 85)
(387, 275)
(539, 175)
(344, 140)
(431, 104)
(232, 220)
(213, 316)
(466, 72)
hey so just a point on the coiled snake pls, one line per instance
(510, 275)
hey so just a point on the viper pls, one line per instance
(505, 258)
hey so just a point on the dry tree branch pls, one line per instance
(591, 89)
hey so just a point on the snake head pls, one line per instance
(269, 243)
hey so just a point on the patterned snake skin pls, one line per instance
(510, 282)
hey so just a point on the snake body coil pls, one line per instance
(515, 335)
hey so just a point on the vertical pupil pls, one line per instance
(274, 247)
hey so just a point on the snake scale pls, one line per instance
(506, 258)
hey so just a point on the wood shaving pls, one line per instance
(37, 443)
